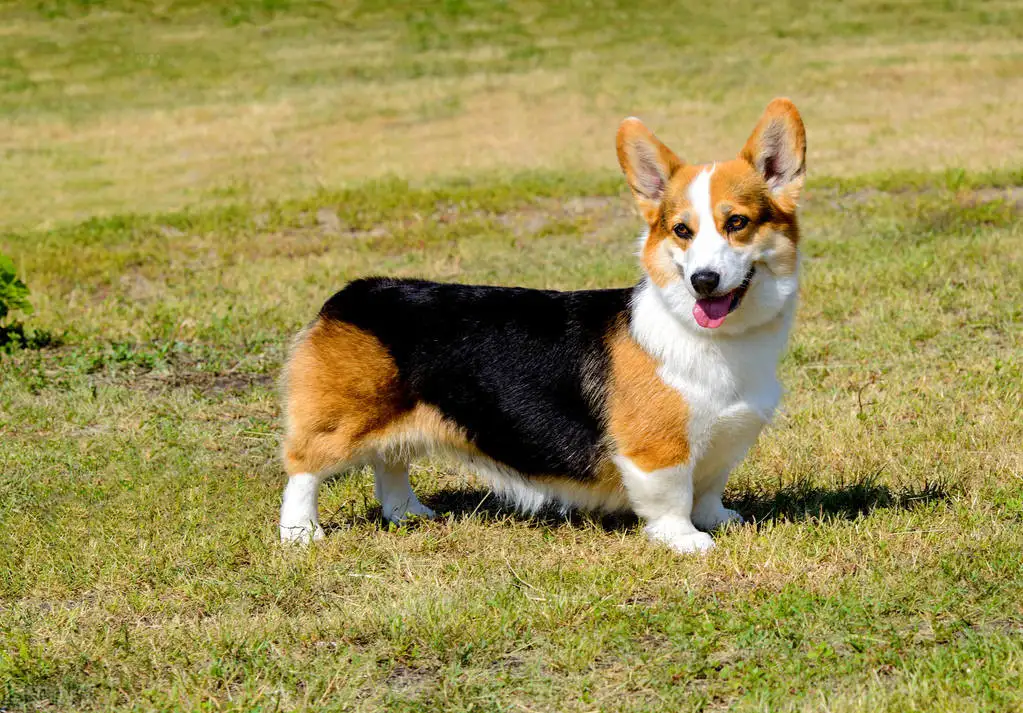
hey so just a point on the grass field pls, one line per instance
(183, 184)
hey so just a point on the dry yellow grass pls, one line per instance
(871, 104)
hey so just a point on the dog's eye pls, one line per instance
(736, 223)
(682, 231)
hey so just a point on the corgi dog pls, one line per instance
(641, 399)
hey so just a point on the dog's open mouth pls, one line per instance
(710, 312)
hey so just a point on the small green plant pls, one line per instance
(14, 298)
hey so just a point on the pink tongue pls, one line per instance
(711, 313)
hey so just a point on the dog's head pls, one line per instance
(721, 246)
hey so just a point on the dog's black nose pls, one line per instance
(705, 281)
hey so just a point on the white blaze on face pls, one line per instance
(699, 197)
(709, 250)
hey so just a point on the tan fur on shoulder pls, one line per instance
(647, 419)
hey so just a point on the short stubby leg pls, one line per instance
(300, 519)
(394, 492)
(708, 511)
(664, 498)
(727, 449)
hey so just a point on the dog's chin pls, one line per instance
(762, 302)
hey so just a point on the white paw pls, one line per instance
(715, 517)
(414, 508)
(422, 511)
(679, 536)
(301, 534)
(696, 542)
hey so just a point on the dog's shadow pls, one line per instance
(806, 500)
(793, 502)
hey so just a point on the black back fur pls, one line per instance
(522, 371)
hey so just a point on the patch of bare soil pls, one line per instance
(207, 382)
(408, 680)
(1012, 195)
(182, 371)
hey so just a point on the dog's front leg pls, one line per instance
(664, 498)
(708, 511)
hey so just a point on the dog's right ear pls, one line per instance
(648, 165)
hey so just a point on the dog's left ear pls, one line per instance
(777, 150)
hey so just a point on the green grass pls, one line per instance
(139, 563)
(881, 569)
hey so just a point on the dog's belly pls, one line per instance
(530, 494)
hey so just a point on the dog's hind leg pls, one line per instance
(300, 518)
(394, 492)
(309, 460)
(310, 457)
(341, 388)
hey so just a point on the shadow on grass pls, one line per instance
(801, 500)
(793, 502)
(805, 500)
(485, 505)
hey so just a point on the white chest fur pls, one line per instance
(728, 381)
